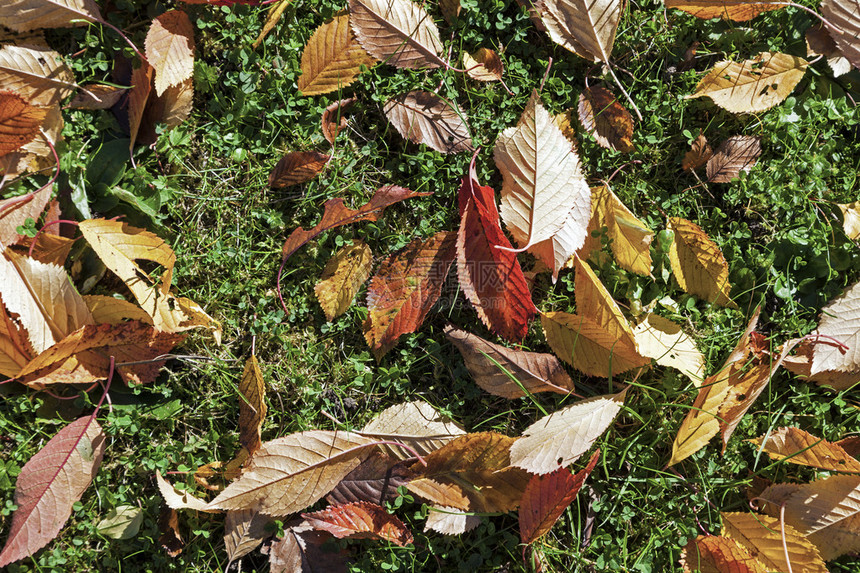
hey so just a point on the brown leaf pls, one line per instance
(334, 118)
(699, 266)
(301, 550)
(424, 117)
(736, 154)
(252, 406)
(244, 531)
(297, 167)
(405, 288)
(397, 32)
(450, 10)
(168, 525)
(97, 96)
(138, 96)
(376, 480)
(48, 248)
(484, 65)
(170, 49)
(332, 58)
(699, 154)
(585, 28)
(840, 321)
(547, 496)
(473, 473)
(843, 15)
(276, 11)
(26, 15)
(717, 554)
(14, 347)
(19, 121)
(336, 214)
(820, 42)
(49, 484)
(36, 74)
(606, 119)
(15, 211)
(342, 276)
(737, 10)
(360, 520)
(799, 447)
(507, 372)
(416, 424)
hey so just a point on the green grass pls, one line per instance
(205, 184)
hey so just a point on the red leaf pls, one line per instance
(405, 288)
(360, 520)
(547, 496)
(491, 277)
(336, 214)
(50, 483)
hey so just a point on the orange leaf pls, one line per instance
(141, 86)
(717, 554)
(405, 288)
(297, 167)
(336, 214)
(168, 525)
(737, 10)
(360, 520)
(332, 58)
(547, 496)
(607, 120)
(799, 447)
(698, 155)
(19, 121)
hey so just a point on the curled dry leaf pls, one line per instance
(664, 341)
(840, 320)
(507, 372)
(845, 16)
(342, 276)
(334, 118)
(850, 219)
(819, 42)
(585, 28)
(699, 154)
(416, 424)
(360, 520)
(799, 447)
(332, 58)
(336, 214)
(698, 263)
(170, 49)
(424, 117)
(398, 32)
(547, 496)
(752, 85)
(376, 480)
(49, 484)
(19, 121)
(489, 272)
(26, 15)
(404, 290)
(297, 167)
(605, 119)
(36, 74)
(14, 353)
(484, 65)
(717, 554)
(737, 10)
(472, 472)
(772, 542)
(559, 439)
(97, 96)
(737, 153)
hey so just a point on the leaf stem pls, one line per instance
(624, 91)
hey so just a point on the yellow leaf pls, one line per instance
(698, 263)
(178, 499)
(272, 20)
(631, 239)
(170, 49)
(342, 277)
(665, 342)
(851, 219)
(771, 542)
(595, 302)
(752, 85)
(332, 58)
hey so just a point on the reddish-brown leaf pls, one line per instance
(19, 121)
(334, 118)
(607, 120)
(360, 520)
(301, 550)
(547, 496)
(297, 167)
(736, 154)
(49, 484)
(170, 538)
(141, 87)
(698, 155)
(405, 288)
(337, 214)
(491, 277)
(376, 480)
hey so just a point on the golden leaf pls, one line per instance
(698, 263)
(332, 58)
(342, 277)
(771, 542)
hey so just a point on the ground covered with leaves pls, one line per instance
(723, 223)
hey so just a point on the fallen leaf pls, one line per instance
(171, 108)
(585, 28)
(605, 119)
(484, 65)
(397, 32)
(450, 521)
(275, 13)
(332, 58)
(26, 15)
(717, 554)
(288, 474)
(19, 121)
(110, 310)
(342, 276)
(424, 117)
(336, 214)
(547, 496)
(97, 96)
(819, 42)
(177, 498)
(851, 219)
(752, 85)
(297, 167)
(36, 74)
(15, 211)
(471, 472)
(376, 480)
(507, 372)
(138, 96)
(416, 424)
(736, 154)
(170, 49)
(360, 520)
(543, 185)
(450, 10)
(168, 525)
(244, 531)
(14, 352)
(334, 118)
(799, 447)
(489, 272)
(840, 321)
(121, 522)
(699, 154)
(301, 550)
(559, 439)
(737, 10)
(252, 406)
(664, 341)
(49, 484)
(48, 248)
(698, 263)
(844, 15)
(405, 288)
(772, 542)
